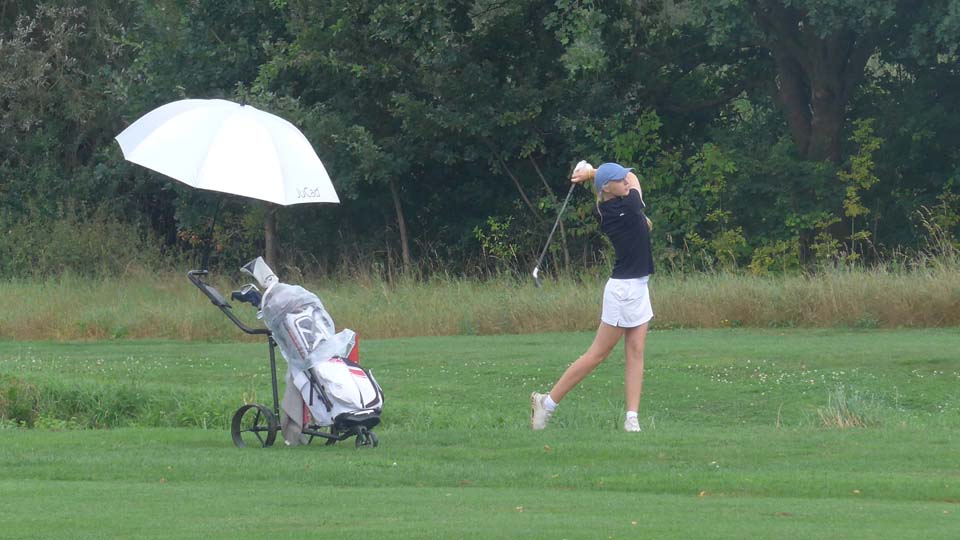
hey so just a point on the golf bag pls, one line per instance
(337, 391)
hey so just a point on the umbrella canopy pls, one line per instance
(224, 146)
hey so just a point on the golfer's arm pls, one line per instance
(634, 183)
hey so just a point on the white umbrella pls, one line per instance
(224, 146)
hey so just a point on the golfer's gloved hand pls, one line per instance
(582, 172)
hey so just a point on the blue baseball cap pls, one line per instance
(609, 172)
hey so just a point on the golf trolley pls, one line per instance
(258, 424)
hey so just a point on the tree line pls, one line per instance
(768, 134)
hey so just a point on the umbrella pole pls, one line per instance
(208, 243)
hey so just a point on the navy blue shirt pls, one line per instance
(623, 221)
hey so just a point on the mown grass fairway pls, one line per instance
(736, 442)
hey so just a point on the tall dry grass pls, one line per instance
(144, 305)
(927, 296)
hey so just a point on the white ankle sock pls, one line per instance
(631, 414)
(548, 403)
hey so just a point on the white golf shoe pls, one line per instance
(539, 415)
(631, 424)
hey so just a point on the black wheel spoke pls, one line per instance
(255, 419)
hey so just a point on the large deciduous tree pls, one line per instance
(58, 89)
(820, 49)
(420, 96)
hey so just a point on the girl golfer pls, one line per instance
(626, 301)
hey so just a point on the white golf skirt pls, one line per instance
(626, 302)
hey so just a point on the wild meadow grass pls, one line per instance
(141, 305)
(739, 441)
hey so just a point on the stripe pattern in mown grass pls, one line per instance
(669, 484)
(733, 444)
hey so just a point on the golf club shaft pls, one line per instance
(536, 269)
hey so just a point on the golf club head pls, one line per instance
(249, 294)
(261, 272)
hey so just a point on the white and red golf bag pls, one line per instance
(322, 378)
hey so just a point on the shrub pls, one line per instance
(846, 411)
(19, 401)
(98, 245)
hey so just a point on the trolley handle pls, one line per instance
(217, 299)
(213, 294)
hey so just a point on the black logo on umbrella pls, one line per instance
(309, 193)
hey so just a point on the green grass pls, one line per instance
(734, 442)
(715, 483)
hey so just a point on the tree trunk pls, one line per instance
(826, 123)
(792, 95)
(270, 235)
(816, 75)
(516, 183)
(401, 224)
(814, 107)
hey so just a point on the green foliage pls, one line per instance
(709, 170)
(495, 241)
(825, 246)
(700, 213)
(19, 401)
(636, 141)
(942, 224)
(453, 114)
(859, 178)
(782, 256)
(56, 97)
(578, 28)
(79, 243)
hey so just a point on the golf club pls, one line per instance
(536, 269)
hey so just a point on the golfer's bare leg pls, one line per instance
(633, 373)
(607, 337)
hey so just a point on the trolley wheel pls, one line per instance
(254, 424)
(331, 442)
(367, 438)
